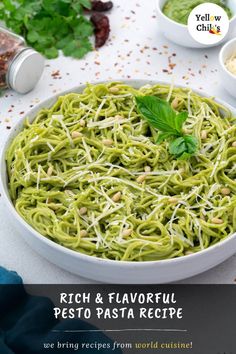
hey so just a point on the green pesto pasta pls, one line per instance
(88, 174)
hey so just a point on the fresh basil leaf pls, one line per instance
(158, 113)
(180, 119)
(191, 143)
(162, 136)
(184, 146)
(177, 147)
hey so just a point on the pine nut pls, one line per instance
(82, 122)
(187, 253)
(76, 134)
(50, 171)
(141, 178)
(118, 117)
(217, 221)
(234, 144)
(147, 169)
(114, 89)
(225, 191)
(69, 193)
(83, 233)
(175, 103)
(204, 135)
(173, 200)
(127, 232)
(83, 210)
(116, 197)
(107, 142)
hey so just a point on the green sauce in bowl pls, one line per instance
(179, 11)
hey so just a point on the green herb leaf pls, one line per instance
(180, 118)
(161, 116)
(163, 136)
(158, 113)
(50, 25)
(184, 146)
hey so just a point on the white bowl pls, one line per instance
(179, 34)
(228, 79)
(109, 271)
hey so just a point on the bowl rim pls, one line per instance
(222, 63)
(62, 249)
(181, 25)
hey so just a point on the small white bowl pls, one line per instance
(227, 78)
(179, 34)
(105, 270)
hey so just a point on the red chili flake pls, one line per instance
(101, 28)
(101, 6)
(97, 63)
(9, 110)
(22, 112)
(55, 73)
(10, 46)
(172, 66)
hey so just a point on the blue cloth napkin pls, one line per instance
(26, 322)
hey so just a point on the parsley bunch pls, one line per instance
(50, 25)
(161, 116)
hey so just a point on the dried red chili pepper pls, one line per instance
(101, 28)
(100, 6)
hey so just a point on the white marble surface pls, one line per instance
(136, 49)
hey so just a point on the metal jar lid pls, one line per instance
(25, 70)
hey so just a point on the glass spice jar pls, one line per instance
(20, 66)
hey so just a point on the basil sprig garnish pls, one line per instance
(169, 123)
